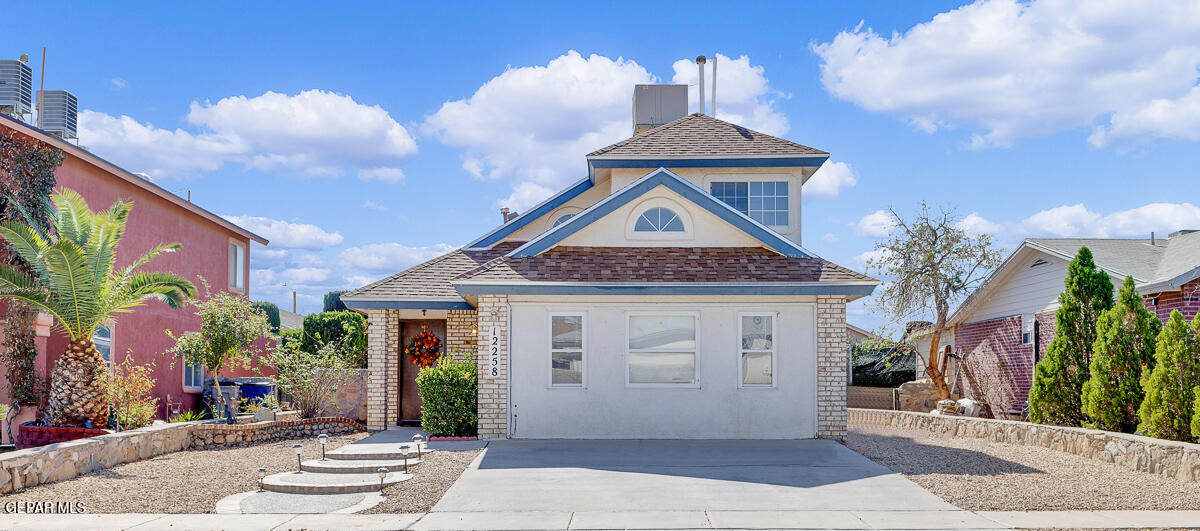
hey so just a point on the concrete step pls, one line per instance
(326, 483)
(388, 452)
(268, 502)
(356, 466)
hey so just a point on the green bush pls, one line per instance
(448, 396)
(333, 302)
(1058, 379)
(287, 337)
(347, 330)
(1123, 352)
(1167, 411)
(272, 312)
(1196, 413)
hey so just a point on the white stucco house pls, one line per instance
(664, 295)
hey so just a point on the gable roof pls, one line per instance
(426, 285)
(656, 178)
(125, 175)
(523, 219)
(702, 136)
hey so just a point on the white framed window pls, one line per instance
(764, 201)
(662, 349)
(756, 350)
(1027, 321)
(567, 349)
(659, 219)
(103, 339)
(193, 377)
(237, 266)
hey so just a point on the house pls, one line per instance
(1010, 317)
(664, 295)
(213, 249)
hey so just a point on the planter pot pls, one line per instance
(30, 435)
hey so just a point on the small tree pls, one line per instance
(310, 378)
(333, 302)
(1055, 397)
(1196, 413)
(272, 312)
(1124, 351)
(128, 387)
(346, 331)
(229, 328)
(932, 263)
(1167, 411)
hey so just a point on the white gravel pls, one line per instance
(430, 480)
(979, 475)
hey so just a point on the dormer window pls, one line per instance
(764, 201)
(659, 219)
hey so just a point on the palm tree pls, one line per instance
(71, 276)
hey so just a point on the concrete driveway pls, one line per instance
(688, 476)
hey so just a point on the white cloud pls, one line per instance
(118, 83)
(305, 275)
(359, 280)
(315, 132)
(876, 224)
(976, 224)
(1006, 69)
(829, 237)
(744, 94)
(286, 234)
(1078, 221)
(526, 195)
(862, 260)
(391, 257)
(829, 179)
(371, 205)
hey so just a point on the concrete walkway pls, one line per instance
(619, 520)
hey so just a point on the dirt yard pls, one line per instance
(977, 475)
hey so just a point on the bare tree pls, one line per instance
(930, 262)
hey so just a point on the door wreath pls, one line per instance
(424, 349)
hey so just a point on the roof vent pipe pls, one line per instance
(1152, 238)
(700, 60)
(712, 109)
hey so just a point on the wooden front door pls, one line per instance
(410, 400)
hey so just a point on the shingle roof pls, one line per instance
(1133, 257)
(431, 280)
(662, 264)
(702, 135)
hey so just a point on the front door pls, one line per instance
(410, 399)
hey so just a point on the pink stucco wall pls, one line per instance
(154, 220)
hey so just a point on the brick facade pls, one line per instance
(1186, 300)
(493, 384)
(383, 364)
(462, 335)
(832, 360)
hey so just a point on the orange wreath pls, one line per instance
(424, 349)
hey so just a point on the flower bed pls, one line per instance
(30, 435)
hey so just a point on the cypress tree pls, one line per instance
(1167, 412)
(1058, 379)
(1124, 351)
(1196, 413)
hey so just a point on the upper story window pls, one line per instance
(764, 201)
(237, 267)
(659, 219)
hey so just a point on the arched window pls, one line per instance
(560, 220)
(659, 219)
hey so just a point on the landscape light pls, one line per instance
(404, 456)
(323, 438)
(262, 474)
(297, 448)
(417, 440)
(383, 472)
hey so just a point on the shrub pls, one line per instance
(311, 379)
(1196, 413)
(1124, 351)
(347, 331)
(291, 336)
(1055, 397)
(1167, 411)
(333, 302)
(187, 416)
(272, 312)
(128, 388)
(448, 396)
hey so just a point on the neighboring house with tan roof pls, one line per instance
(665, 295)
(1011, 316)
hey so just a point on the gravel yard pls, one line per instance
(190, 481)
(431, 478)
(977, 475)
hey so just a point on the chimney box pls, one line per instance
(655, 105)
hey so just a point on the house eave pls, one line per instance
(484, 287)
(374, 303)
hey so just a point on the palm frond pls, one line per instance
(166, 287)
(28, 245)
(142, 260)
(77, 295)
(107, 231)
(75, 219)
(16, 284)
(46, 206)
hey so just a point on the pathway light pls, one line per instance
(297, 448)
(383, 472)
(323, 438)
(262, 474)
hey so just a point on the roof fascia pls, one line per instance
(852, 289)
(601, 161)
(382, 304)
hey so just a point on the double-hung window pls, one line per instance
(756, 366)
(662, 349)
(764, 201)
(103, 340)
(193, 377)
(566, 350)
(237, 267)
(1027, 321)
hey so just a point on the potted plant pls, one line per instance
(71, 276)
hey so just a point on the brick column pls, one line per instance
(461, 332)
(383, 366)
(493, 390)
(832, 352)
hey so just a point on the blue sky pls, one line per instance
(369, 137)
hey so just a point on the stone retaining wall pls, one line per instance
(56, 462)
(1145, 454)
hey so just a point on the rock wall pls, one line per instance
(1156, 456)
(350, 401)
(56, 462)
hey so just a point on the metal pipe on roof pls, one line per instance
(700, 60)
